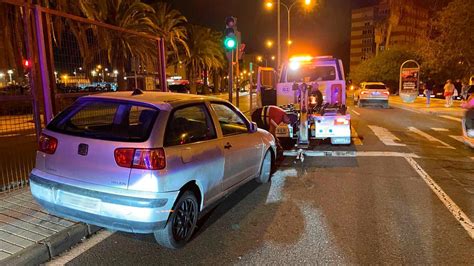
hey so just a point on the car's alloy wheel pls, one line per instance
(181, 224)
(266, 168)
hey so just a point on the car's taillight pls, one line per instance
(364, 92)
(149, 159)
(341, 121)
(386, 93)
(47, 144)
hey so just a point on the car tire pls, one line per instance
(265, 169)
(386, 105)
(185, 211)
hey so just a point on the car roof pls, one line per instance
(162, 100)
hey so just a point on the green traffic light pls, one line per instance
(230, 43)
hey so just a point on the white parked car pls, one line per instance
(147, 162)
(372, 93)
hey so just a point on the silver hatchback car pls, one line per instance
(147, 162)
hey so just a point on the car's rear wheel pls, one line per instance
(181, 223)
(266, 168)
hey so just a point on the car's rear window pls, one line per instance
(375, 87)
(107, 120)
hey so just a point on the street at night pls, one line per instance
(239, 132)
(371, 208)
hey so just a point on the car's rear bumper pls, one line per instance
(374, 100)
(112, 211)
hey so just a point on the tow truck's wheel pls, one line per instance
(181, 223)
(265, 169)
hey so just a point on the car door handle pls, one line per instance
(227, 146)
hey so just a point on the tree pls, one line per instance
(205, 53)
(121, 47)
(383, 68)
(172, 27)
(449, 51)
(380, 31)
(12, 33)
(397, 13)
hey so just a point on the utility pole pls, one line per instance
(279, 34)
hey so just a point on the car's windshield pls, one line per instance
(375, 87)
(108, 120)
(306, 73)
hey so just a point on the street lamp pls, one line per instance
(269, 5)
(269, 44)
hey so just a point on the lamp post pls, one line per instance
(269, 5)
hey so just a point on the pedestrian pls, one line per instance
(449, 92)
(269, 118)
(429, 85)
(464, 91)
(458, 86)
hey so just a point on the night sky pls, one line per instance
(323, 31)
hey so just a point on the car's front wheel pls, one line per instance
(181, 223)
(265, 169)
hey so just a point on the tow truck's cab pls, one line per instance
(313, 89)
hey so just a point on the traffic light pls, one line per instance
(26, 63)
(230, 42)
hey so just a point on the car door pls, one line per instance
(241, 148)
(193, 151)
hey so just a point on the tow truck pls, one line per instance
(312, 91)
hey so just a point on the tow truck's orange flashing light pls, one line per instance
(302, 58)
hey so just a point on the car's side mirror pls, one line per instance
(253, 127)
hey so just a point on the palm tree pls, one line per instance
(205, 53)
(172, 27)
(12, 33)
(121, 47)
(380, 31)
(397, 13)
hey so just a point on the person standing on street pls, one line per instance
(449, 92)
(429, 85)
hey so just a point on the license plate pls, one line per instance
(376, 93)
(78, 202)
(282, 132)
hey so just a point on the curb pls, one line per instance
(52, 246)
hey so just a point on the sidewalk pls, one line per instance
(436, 107)
(29, 235)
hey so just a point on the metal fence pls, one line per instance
(49, 59)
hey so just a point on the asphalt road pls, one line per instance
(378, 206)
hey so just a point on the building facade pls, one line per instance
(370, 24)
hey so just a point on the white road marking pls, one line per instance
(439, 129)
(386, 136)
(355, 112)
(430, 138)
(349, 154)
(68, 256)
(278, 181)
(451, 118)
(458, 138)
(462, 218)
